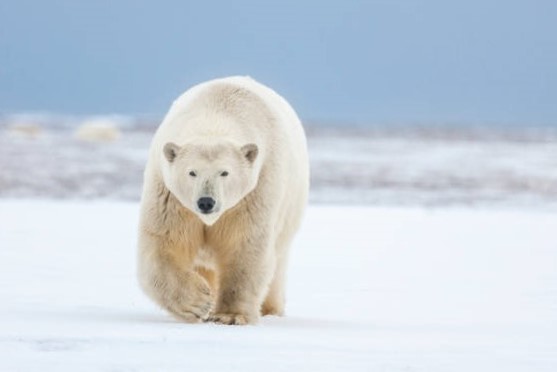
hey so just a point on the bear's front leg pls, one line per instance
(245, 274)
(171, 281)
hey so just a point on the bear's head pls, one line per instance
(209, 179)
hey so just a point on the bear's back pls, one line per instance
(259, 115)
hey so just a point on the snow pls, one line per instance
(381, 167)
(370, 289)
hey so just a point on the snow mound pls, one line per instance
(98, 130)
(25, 129)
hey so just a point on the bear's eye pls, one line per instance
(224, 174)
(193, 174)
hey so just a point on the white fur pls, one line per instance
(228, 266)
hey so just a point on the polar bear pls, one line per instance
(225, 187)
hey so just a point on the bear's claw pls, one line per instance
(230, 319)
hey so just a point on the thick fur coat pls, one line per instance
(225, 187)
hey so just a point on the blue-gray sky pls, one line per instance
(395, 61)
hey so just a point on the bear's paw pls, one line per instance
(233, 319)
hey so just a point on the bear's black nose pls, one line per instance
(205, 204)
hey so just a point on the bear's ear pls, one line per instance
(171, 151)
(250, 152)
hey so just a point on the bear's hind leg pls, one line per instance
(275, 299)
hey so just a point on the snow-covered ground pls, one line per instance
(422, 250)
(434, 167)
(370, 289)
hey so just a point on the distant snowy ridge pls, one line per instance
(432, 166)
